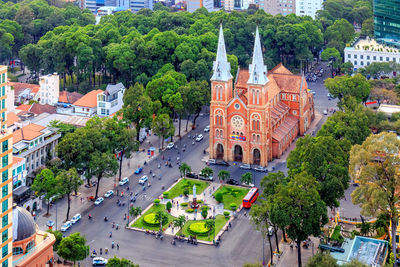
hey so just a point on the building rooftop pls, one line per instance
(19, 87)
(69, 97)
(38, 109)
(114, 88)
(369, 44)
(389, 109)
(17, 160)
(24, 107)
(45, 119)
(12, 118)
(24, 226)
(29, 132)
(89, 100)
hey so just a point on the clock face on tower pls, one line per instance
(237, 122)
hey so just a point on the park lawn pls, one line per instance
(232, 194)
(177, 190)
(220, 221)
(140, 224)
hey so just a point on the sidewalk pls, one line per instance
(80, 203)
(289, 255)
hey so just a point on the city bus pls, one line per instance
(250, 198)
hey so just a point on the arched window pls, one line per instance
(17, 251)
(221, 135)
(30, 245)
(216, 93)
(254, 96)
(258, 97)
(258, 125)
(216, 120)
(253, 138)
(217, 133)
(220, 120)
(220, 91)
(253, 126)
(258, 138)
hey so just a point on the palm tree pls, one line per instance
(135, 211)
(247, 178)
(160, 216)
(207, 172)
(179, 222)
(184, 169)
(210, 226)
(224, 175)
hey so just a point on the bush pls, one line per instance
(198, 228)
(165, 194)
(184, 204)
(190, 210)
(354, 233)
(186, 191)
(233, 206)
(150, 219)
(199, 201)
(156, 201)
(204, 208)
(204, 213)
(169, 205)
(227, 213)
(219, 197)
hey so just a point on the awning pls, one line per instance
(20, 191)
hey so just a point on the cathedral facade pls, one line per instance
(256, 119)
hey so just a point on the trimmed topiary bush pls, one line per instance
(165, 194)
(199, 201)
(156, 201)
(150, 219)
(186, 191)
(227, 213)
(204, 208)
(190, 210)
(219, 197)
(169, 205)
(233, 206)
(198, 228)
(184, 204)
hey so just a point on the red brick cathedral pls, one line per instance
(256, 120)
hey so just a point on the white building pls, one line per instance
(49, 90)
(87, 105)
(308, 7)
(367, 51)
(111, 100)
(10, 104)
(193, 5)
(275, 7)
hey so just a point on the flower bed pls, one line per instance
(141, 222)
(187, 183)
(198, 228)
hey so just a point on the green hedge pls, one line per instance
(156, 201)
(150, 219)
(198, 228)
(227, 213)
(190, 210)
(233, 206)
(184, 204)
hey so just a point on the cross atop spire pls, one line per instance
(257, 69)
(221, 67)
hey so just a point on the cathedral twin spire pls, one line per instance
(222, 68)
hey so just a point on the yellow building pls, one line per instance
(6, 176)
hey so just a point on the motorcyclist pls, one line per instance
(90, 216)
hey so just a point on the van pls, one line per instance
(270, 231)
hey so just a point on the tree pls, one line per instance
(302, 205)
(207, 172)
(179, 222)
(137, 108)
(169, 206)
(135, 211)
(47, 184)
(338, 34)
(204, 213)
(374, 164)
(102, 165)
(333, 55)
(246, 178)
(219, 197)
(326, 159)
(69, 182)
(58, 235)
(347, 68)
(62, 127)
(210, 226)
(163, 127)
(73, 247)
(223, 175)
(341, 86)
(184, 169)
(322, 260)
(367, 27)
(117, 262)
(161, 217)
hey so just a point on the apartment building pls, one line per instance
(49, 90)
(6, 181)
(275, 7)
(111, 100)
(308, 7)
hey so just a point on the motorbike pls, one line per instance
(159, 165)
(159, 177)
(173, 242)
(90, 217)
(110, 234)
(117, 227)
(112, 244)
(148, 184)
(154, 175)
(193, 143)
(105, 219)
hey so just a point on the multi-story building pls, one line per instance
(365, 51)
(258, 119)
(193, 5)
(308, 7)
(35, 143)
(133, 5)
(6, 180)
(387, 21)
(111, 100)
(87, 105)
(49, 90)
(275, 7)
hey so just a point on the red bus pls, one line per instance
(250, 198)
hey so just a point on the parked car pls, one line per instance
(138, 170)
(170, 145)
(207, 129)
(123, 181)
(98, 201)
(66, 226)
(76, 218)
(232, 182)
(143, 180)
(260, 169)
(50, 223)
(199, 138)
(192, 175)
(99, 261)
(270, 231)
(325, 112)
(109, 193)
(245, 166)
(222, 163)
(249, 184)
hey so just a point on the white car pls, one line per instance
(325, 112)
(260, 169)
(98, 201)
(124, 181)
(109, 193)
(249, 185)
(99, 261)
(199, 138)
(143, 180)
(170, 145)
(76, 218)
(207, 129)
(245, 166)
(66, 226)
(211, 161)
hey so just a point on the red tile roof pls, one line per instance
(12, 118)
(280, 69)
(38, 109)
(289, 82)
(19, 87)
(24, 107)
(286, 126)
(29, 132)
(16, 160)
(242, 78)
(89, 100)
(69, 97)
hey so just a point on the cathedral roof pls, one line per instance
(280, 69)
(221, 66)
(242, 78)
(290, 82)
(257, 69)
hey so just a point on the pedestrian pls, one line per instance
(117, 192)
(117, 246)
(129, 164)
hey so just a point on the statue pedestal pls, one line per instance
(194, 204)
